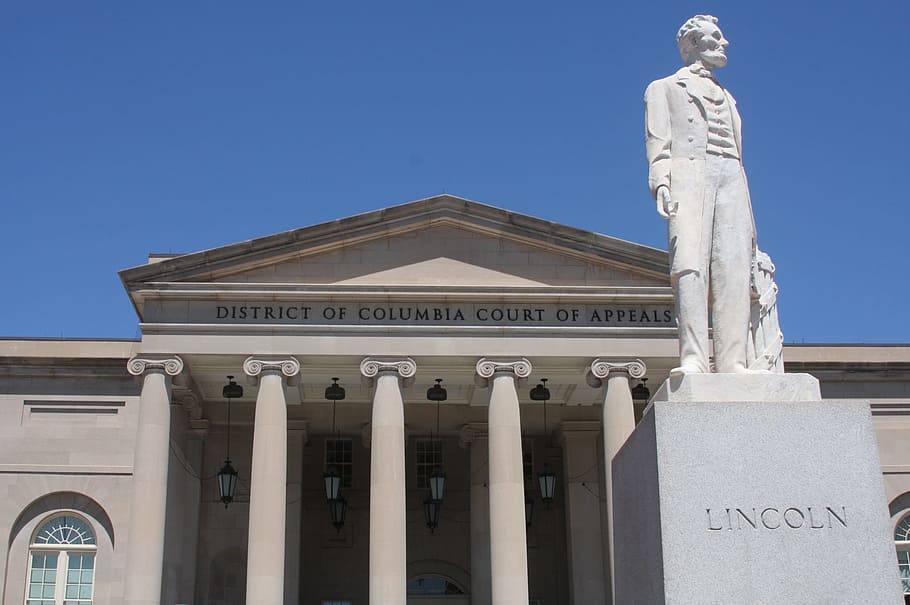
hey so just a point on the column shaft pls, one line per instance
(268, 489)
(508, 538)
(145, 552)
(618, 424)
(388, 510)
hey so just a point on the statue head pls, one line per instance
(699, 39)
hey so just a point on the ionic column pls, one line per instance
(148, 499)
(388, 508)
(618, 424)
(474, 436)
(508, 538)
(268, 481)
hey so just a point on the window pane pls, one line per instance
(65, 529)
(338, 454)
(428, 457)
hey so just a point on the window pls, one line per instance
(429, 456)
(432, 585)
(339, 453)
(902, 542)
(61, 563)
(336, 603)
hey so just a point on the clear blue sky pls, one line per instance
(130, 128)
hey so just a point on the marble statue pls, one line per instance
(766, 343)
(694, 148)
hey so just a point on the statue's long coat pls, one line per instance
(676, 141)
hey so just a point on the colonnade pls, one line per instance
(498, 535)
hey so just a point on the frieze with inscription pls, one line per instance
(473, 314)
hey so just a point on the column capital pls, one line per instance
(255, 366)
(371, 367)
(486, 368)
(601, 368)
(470, 432)
(139, 366)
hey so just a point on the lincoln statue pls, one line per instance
(694, 150)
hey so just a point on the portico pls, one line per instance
(388, 302)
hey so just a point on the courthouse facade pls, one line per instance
(111, 449)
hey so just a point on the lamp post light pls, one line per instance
(227, 476)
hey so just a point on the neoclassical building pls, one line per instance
(420, 405)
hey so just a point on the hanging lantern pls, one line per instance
(431, 512)
(227, 482)
(547, 483)
(338, 508)
(227, 476)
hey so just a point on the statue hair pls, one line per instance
(686, 37)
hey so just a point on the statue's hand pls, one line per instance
(666, 207)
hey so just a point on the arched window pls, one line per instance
(61, 562)
(902, 542)
(433, 585)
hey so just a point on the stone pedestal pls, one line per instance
(773, 497)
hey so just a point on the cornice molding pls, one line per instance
(438, 210)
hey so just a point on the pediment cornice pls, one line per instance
(443, 210)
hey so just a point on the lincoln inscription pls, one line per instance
(776, 517)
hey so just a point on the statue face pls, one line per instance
(711, 46)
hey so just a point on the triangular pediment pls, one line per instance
(442, 242)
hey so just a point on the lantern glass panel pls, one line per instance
(547, 483)
(437, 484)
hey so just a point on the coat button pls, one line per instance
(691, 139)
(691, 118)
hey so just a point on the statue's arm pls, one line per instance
(658, 146)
